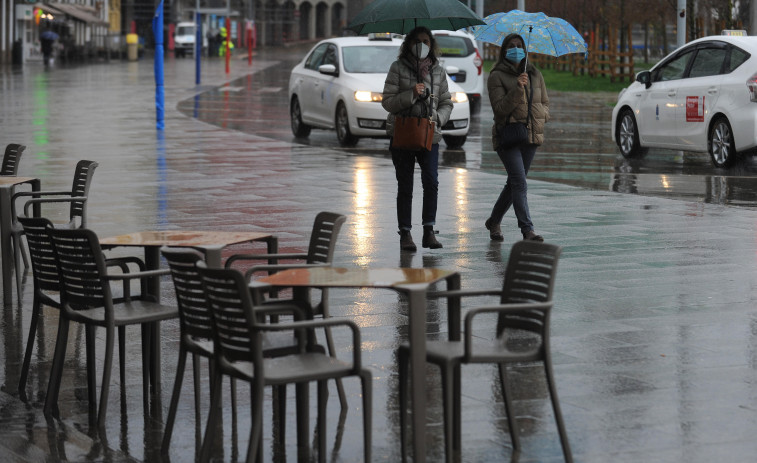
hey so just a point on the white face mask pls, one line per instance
(423, 53)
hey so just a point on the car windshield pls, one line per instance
(185, 30)
(454, 47)
(369, 58)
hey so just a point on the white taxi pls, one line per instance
(702, 97)
(339, 85)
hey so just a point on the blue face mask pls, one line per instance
(515, 55)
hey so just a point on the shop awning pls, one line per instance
(79, 12)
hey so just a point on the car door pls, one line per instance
(698, 94)
(657, 107)
(324, 88)
(308, 81)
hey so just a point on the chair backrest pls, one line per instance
(41, 252)
(230, 305)
(323, 238)
(11, 159)
(81, 266)
(82, 181)
(194, 315)
(529, 277)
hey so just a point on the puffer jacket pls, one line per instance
(398, 96)
(506, 97)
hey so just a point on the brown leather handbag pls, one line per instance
(413, 133)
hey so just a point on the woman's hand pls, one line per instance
(523, 80)
(419, 89)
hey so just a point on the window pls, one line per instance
(369, 59)
(454, 47)
(330, 56)
(674, 68)
(316, 58)
(708, 62)
(738, 56)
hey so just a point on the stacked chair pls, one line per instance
(521, 336)
(238, 351)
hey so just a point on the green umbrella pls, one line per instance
(402, 16)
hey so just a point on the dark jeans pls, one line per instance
(404, 166)
(517, 162)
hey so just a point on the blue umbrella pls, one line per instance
(543, 34)
(49, 35)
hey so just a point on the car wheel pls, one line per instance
(299, 128)
(720, 143)
(342, 123)
(454, 141)
(628, 135)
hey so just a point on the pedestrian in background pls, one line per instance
(512, 88)
(416, 79)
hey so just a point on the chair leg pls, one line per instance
(89, 347)
(279, 415)
(146, 356)
(122, 353)
(303, 418)
(213, 414)
(330, 346)
(448, 394)
(323, 395)
(558, 413)
(457, 412)
(17, 264)
(105, 387)
(507, 396)
(36, 309)
(56, 371)
(197, 391)
(402, 360)
(366, 380)
(175, 400)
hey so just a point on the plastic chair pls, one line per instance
(77, 197)
(238, 350)
(86, 298)
(522, 335)
(196, 331)
(47, 285)
(11, 158)
(325, 232)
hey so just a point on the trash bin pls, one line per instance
(18, 53)
(132, 46)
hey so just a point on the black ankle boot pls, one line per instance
(406, 241)
(429, 238)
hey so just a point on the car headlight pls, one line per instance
(367, 97)
(459, 97)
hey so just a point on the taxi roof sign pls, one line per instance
(380, 36)
(735, 32)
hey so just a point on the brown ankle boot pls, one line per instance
(429, 238)
(406, 241)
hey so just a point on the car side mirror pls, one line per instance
(452, 70)
(644, 77)
(328, 69)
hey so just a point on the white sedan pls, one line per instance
(339, 85)
(700, 98)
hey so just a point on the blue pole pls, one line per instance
(198, 48)
(160, 97)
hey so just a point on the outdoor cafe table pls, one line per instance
(211, 243)
(7, 184)
(414, 284)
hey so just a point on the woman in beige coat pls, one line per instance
(510, 87)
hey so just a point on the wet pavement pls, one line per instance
(654, 331)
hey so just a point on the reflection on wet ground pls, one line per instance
(578, 149)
